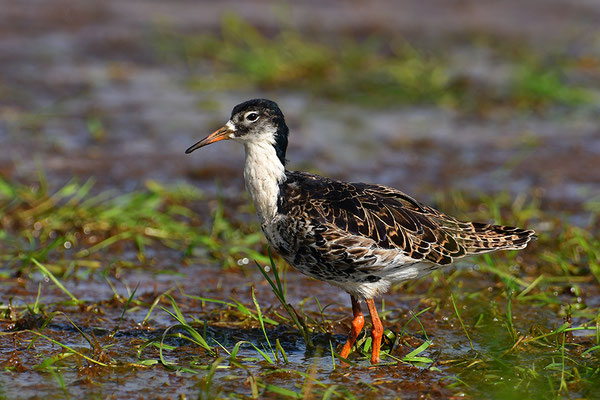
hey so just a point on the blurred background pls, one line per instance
(486, 109)
(474, 95)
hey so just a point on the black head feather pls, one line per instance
(271, 110)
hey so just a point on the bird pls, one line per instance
(360, 237)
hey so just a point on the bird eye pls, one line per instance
(251, 116)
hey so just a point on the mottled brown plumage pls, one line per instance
(392, 219)
(344, 232)
(360, 237)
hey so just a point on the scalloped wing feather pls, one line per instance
(376, 226)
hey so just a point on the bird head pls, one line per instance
(253, 121)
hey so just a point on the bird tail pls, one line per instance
(483, 238)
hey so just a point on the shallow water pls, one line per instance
(102, 314)
(83, 94)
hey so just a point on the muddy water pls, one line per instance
(102, 314)
(82, 93)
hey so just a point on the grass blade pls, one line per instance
(116, 329)
(64, 346)
(262, 324)
(460, 320)
(50, 275)
(279, 293)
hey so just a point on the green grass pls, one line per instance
(81, 227)
(518, 323)
(521, 328)
(375, 70)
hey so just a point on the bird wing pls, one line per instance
(366, 218)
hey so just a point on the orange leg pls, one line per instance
(377, 331)
(357, 324)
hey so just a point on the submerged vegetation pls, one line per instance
(506, 324)
(374, 70)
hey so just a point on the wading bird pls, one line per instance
(360, 237)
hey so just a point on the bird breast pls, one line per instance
(263, 172)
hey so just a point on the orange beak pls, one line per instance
(221, 134)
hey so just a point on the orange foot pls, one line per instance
(377, 332)
(357, 324)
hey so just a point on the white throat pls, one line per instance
(263, 173)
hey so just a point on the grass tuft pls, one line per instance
(279, 292)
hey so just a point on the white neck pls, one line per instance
(263, 173)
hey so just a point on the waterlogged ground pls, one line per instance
(128, 269)
(153, 312)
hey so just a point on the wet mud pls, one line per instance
(84, 94)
